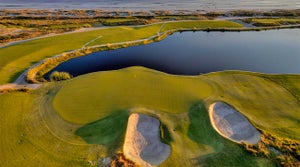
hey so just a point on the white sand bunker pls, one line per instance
(142, 143)
(232, 125)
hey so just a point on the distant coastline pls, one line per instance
(146, 5)
(96, 13)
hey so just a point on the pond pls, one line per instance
(193, 53)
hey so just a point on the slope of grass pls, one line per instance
(107, 131)
(94, 95)
(289, 82)
(34, 133)
(26, 141)
(268, 105)
(194, 142)
(225, 152)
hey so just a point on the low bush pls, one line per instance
(59, 76)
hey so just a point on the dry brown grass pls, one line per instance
(285, 152)
(119, 160)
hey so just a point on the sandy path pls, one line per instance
(232, 125)
(18, 87)
(142, 142)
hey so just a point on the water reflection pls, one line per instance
(192, 53)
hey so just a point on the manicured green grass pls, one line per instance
(97, 94)
(42, 126)
(26, 141)
(83, 120)
(274, 21)
(225, 152)
(268, 105)
(200, 25)
(16, 58)
(194, 142)
(123, 34)
(108, 131)
(289, 82)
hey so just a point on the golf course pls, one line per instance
(137, 116)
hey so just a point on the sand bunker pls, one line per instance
(232, 125)
(142, 143)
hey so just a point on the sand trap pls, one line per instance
(142, 143)
(232, 124)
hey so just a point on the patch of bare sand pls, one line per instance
(232, 125)
(142, 142)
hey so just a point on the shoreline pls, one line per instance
(23, 78)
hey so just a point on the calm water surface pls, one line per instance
(192, 53)
(208, 5)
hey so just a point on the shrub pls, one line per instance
(284, 151)
(59, 76)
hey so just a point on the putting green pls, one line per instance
(93, 96)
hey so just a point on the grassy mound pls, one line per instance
(94, 95)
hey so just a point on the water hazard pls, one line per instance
(193, 53)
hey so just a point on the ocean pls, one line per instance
(204, 5)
